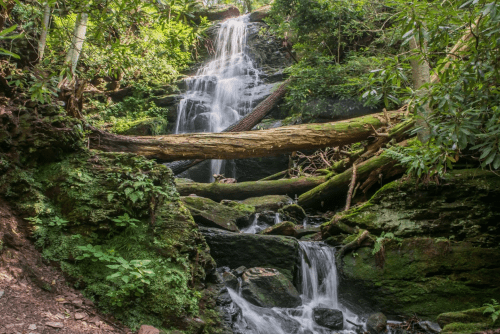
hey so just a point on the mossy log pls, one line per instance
(238, 145)
(244, 190)
(335, 189)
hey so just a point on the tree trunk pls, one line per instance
(243, 190)
(244, 124)
(45, 30)
(420, 76)
(77, 40)
(239, 145)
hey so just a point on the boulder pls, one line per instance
(267, 287)
(253, 250)
(293, 212)
(302, 232)
(428, 327)
(475, 315)
(284, 228)
(212, 214)
(268, 203)
(230, 280)
(146, 329)
(260, 14)
(376, 323)
(329, 318)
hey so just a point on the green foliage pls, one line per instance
(493, 309)
(5, 34)
(384, 237)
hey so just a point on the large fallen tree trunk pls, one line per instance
(243, 190)
(243, 144)
(244, 124)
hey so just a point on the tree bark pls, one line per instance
(242, 144)
(45, 29)
(421, 76)
(243, 190)
(77, 41)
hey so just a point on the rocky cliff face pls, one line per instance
(437, 246)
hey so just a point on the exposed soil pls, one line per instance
(34, 296)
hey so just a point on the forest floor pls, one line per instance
(35, 297)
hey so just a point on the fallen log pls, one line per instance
(335, 189)
(239, 145)
(239, 191)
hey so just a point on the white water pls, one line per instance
(319, 289)
(222, 92)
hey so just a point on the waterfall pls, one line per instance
(222, 92)
(318, 289)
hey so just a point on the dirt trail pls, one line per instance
(35, 298)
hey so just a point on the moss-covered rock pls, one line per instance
(462, 207)
(268, 203)
(283, 228)
(260, 14)
(293, 212)
(475, 315)
(212, 214)
(443, 254)
(253, 250)
(152, 126)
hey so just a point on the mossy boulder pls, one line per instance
(283, 228)
(217, 13)
(267, 287)
(268, 203)
(252, 250)
(463, 207)
(260, 14)
(293, 212)
(475, 315)
(152, 126)
(212, 214)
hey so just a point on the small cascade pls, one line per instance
(254, 227)
(319, 289)
(277, 218)
(222, 92)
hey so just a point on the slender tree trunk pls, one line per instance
(236, 145)
(77, 40)
(45, 30)
(421, 76)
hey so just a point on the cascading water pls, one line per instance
(318, 288)
(222, 92)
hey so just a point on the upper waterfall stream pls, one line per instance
(222, 92)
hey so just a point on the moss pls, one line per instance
(475, 315)
(90, 190)
(150, 126)
(462, 328)
(283, 228)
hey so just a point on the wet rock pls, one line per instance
(212, 214)
(267, 287)
(428, 326)
(294, 213)
(284, 228)
(235, 249)
(239, 271)
(146, 329)
(329, 318)
(230, 280)
(268, 203)
(376, 323)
